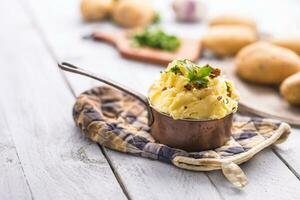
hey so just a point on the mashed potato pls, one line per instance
(188, 91)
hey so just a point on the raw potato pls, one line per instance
(133, 13)
(233, 20)
(266, 63)
(93, 10)
(227, 40)
(290, 89)
(290, 43)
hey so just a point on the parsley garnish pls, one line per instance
(197, 75)
(176, 70)
(156, 38)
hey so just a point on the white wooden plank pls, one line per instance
(13, 183)
(269, 179)
(289, 152)
(58, 162)
(148, 179)
(143, 178)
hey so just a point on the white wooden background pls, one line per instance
(43, 155)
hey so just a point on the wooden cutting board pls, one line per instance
(189, 49)
(258, 99)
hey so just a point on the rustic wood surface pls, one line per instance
(43, 156)
(57, 162)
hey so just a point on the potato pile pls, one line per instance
(290, 89)
(227, 34)
(273, 62)
(228, 40)
(127, 13)
(266, 63)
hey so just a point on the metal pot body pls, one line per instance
(191, 135)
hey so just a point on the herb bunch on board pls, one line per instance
(156, 38)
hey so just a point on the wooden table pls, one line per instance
(44, 156)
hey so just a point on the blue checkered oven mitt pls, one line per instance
(119, 122)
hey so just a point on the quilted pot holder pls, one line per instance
(119, 122)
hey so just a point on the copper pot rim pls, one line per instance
(187, 119)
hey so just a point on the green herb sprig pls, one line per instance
(176, 70)
(156, 38)
(197, 75)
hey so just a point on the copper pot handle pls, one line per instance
(74, 69)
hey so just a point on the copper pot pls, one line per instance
(191, 135)
(186, 134)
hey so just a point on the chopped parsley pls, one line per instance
(156, 38)
(197, 75)
(225, 101)
(176, 70)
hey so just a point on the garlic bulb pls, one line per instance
(189, 10)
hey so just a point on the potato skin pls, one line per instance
(133, 13)
(290, 89)
(289, 43)
(94, 10)
(227, 40)
(233, 20)
(266, 63)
